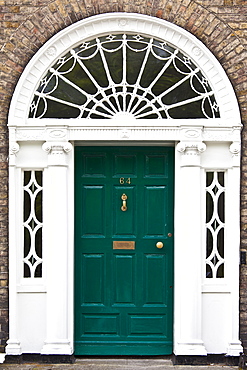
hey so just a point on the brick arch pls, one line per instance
(44, 21)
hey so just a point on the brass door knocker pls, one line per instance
(124, 206)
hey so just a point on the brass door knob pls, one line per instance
(159, 245)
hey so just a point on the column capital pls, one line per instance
(191, 152)
(57, 152)
(14, 148)
(235, 149)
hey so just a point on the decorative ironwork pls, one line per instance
(32, 224)
(215, 224)
(124, 75)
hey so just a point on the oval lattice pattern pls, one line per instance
(215, 224)
(32, 224)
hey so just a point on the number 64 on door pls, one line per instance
(124, 180)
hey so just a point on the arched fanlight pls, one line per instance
(124, 75)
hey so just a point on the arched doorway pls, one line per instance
(157, 86)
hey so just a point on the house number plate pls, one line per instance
(123, 245)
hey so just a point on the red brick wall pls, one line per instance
(26, 24)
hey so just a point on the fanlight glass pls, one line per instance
(124, 75)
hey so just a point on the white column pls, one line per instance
(233, 240)
(188, 259)
(56, 249)
(13, 345)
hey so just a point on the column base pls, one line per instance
(60, 347)
(190, 349)
(234, 349)
(13, 347)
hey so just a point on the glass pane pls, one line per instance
(54, 109)
(190, 110)
(39, 177)
(27, 177)
(27, 242)
(214, 260)
(221, 207)
(220, 242)
(134, 63)
(115, 65)
(67, 93)
(79, 77)
(38, 271)
(221, 178)
(220, 271)
(209, 178)
(38, 206)
(32, 224)
(178, 94)
(209, 273)
(27, 206)
(209, 243)
(38, 243)
(27, 272)
(97, 70)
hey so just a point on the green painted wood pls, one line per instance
(123, 298)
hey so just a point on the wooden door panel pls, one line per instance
(154, 211)
(101, 325)
(124, 165)
(154, 279)
(124, 222)
(93, 211)
(92, 267)
(124, 283)
(156, 165)
(93, 165)
(146, 325)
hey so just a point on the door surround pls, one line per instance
(197, 143)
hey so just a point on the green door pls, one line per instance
(123, 275)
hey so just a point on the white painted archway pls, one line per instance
(204, 307)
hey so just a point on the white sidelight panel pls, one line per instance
(220, 265)
(27, 284)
